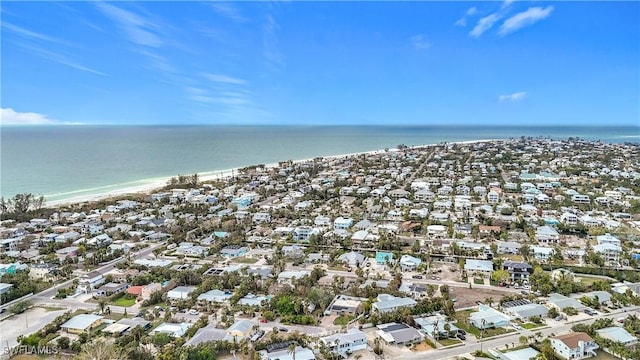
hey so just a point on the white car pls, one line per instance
(193, 312)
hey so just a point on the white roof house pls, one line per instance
(217, 296)
(180, 292)
(474, 265)
(408, 262)
(488, 317)
(352, 340)
(172, 329)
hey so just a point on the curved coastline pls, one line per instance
(150, 185)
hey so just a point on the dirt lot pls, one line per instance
(468, 297)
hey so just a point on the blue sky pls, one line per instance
(411, 63)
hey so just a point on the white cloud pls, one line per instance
(525, 18)
(224, 79)
(138, 29)
(463, 20)
(484, 24)
(32, 35)
(9, 116)
(506, 3)
(512, 97)
(59, 58)
(270, 41)
(419, 42)
(228, 11)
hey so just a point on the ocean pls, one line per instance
(63, 162)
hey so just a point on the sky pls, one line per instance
(321, 63)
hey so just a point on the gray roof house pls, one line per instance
(399, 334)
(387, 303)
(352, 258)
(618, 334)
(562, 302)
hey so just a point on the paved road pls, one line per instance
(28, 322)
(472, 345)
(36, 318)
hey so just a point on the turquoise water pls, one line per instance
(67, 161)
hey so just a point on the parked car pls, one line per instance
(193, 312)
(417, 276)
(461, 336)
(283, 329)
(460, 331)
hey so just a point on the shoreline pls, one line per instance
(158, 183)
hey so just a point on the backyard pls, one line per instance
(123, 301)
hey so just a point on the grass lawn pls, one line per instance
(343, 320)
(588, 281)
(530, 326)
(478, 281)
(245, 260)
(448, 342)
(123, 301)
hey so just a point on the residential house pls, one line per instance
(352, 258)
(518, 271)
(574, 346)
(174, 330)
(288, 277)
(399, 334)
(342, 224)
(524, 310)
(480, 267)
(387, 303)
(346, 343)
(384, 258)
(233, 251)
(434, 326)
(508, 247)
(90, 281)
(619, 335)
(110, 289)
(561, 302)
(487, 317)
(409, 263)
(215, 296)
(542, 253)
(82, 323)
(547, 234)
(344, 305)
(180, 292)
(149, 289)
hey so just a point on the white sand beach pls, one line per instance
(156, 184)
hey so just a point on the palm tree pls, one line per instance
(292, 350)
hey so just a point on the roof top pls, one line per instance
(81, 322)
(572, 339)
